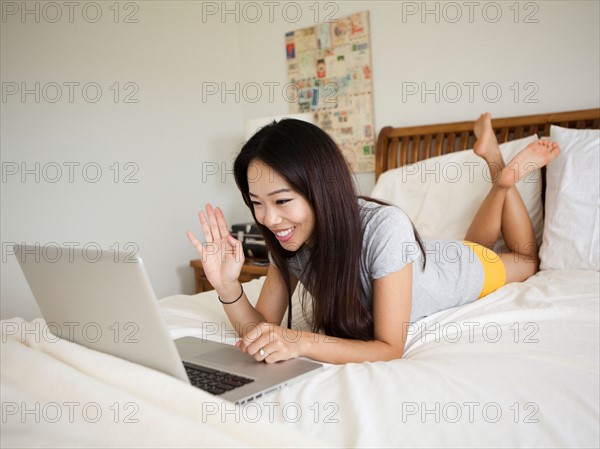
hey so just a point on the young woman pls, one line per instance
(363, 262)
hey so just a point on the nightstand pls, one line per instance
(250, 270)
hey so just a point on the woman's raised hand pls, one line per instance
(222, 255)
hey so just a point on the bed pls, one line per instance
(518, 369)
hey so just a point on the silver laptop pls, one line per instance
(103, 300)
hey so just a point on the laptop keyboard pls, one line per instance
(214, 381)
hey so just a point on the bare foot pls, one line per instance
(486, 145)
(533, 157)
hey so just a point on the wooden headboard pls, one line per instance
(401, 146)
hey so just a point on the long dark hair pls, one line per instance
(313, 165)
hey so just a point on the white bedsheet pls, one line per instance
(519, 368)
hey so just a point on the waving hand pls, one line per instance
(222, 255)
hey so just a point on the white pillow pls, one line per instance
(572, 202)
(442, 194)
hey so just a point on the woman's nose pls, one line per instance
(272, 217)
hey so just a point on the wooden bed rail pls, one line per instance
(400, 146)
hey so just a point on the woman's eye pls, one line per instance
(255, 203)
(280, 202)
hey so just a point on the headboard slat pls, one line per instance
(439, 142)
(451, 143)
(518, 134)
(404, 151)
(464, 140)
(393, 152)
(427, 146)
(414, 152)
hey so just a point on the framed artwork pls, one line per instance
(329, 68)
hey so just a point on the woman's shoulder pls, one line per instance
(371, 208)
(378, 215)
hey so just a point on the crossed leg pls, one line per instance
(503, 210)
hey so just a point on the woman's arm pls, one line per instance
(392, 298)
(273, 299)
(270, 307)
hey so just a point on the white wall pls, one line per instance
(174, 52)
(168, 134)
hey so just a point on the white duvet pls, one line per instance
(518, 368)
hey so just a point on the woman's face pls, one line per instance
(277, 206)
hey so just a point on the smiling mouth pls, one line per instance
(284, 235)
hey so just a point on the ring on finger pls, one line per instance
(263, 353)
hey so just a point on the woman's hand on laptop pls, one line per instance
(270, 343)
(222, 255)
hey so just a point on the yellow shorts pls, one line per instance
(494, 273)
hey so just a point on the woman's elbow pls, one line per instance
(392, 352)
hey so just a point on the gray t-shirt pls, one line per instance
(453, 274)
